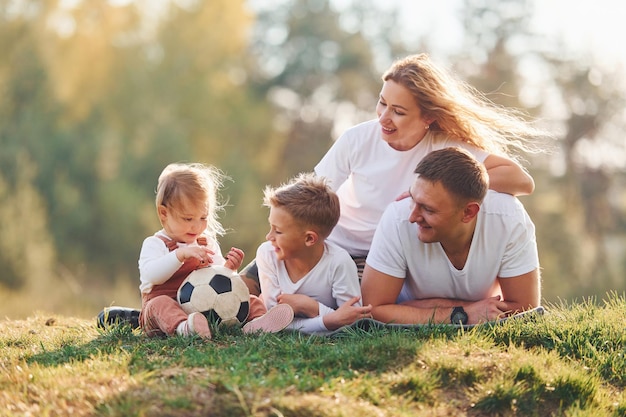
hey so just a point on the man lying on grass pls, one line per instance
(453, 252)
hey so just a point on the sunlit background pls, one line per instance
(97, 97)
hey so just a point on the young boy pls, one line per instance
(298, 267)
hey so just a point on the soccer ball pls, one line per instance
(217, 292)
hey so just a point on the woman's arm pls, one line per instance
(381, 292)
(506, 176)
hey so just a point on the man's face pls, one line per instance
(436, 213)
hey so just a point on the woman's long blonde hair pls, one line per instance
(462, 111)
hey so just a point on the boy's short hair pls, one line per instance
(309, 200)
(458, 171)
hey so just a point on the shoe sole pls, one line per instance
(275, 320)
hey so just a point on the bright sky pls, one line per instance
(598, 26)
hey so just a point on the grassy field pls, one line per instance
(569, 362)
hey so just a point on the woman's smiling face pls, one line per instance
(401, 120)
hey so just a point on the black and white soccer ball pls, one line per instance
(217, 292)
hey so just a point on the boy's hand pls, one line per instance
(234, 259)
(347, 314)
(302, 305)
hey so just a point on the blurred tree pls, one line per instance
(27, 252)
(27, 114)
(99, 98)
(573, 211)
(595, 98)
(181, 96)
(318, 71)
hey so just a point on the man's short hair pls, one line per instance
(458, 171)
(309, 200)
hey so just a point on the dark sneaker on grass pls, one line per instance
(110, 316)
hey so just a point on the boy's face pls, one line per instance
(287, 235)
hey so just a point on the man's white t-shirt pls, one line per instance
(368, 174)
(503, 245)
(332, 282)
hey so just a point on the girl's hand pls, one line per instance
(234, 259)
(201, 253)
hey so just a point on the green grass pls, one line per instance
(569, 362)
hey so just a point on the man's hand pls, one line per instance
(489, 309)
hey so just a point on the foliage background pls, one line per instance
(97, 97)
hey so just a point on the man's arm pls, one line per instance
(522, 292)
(519, 293)
(488, 309)
(382, 290)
